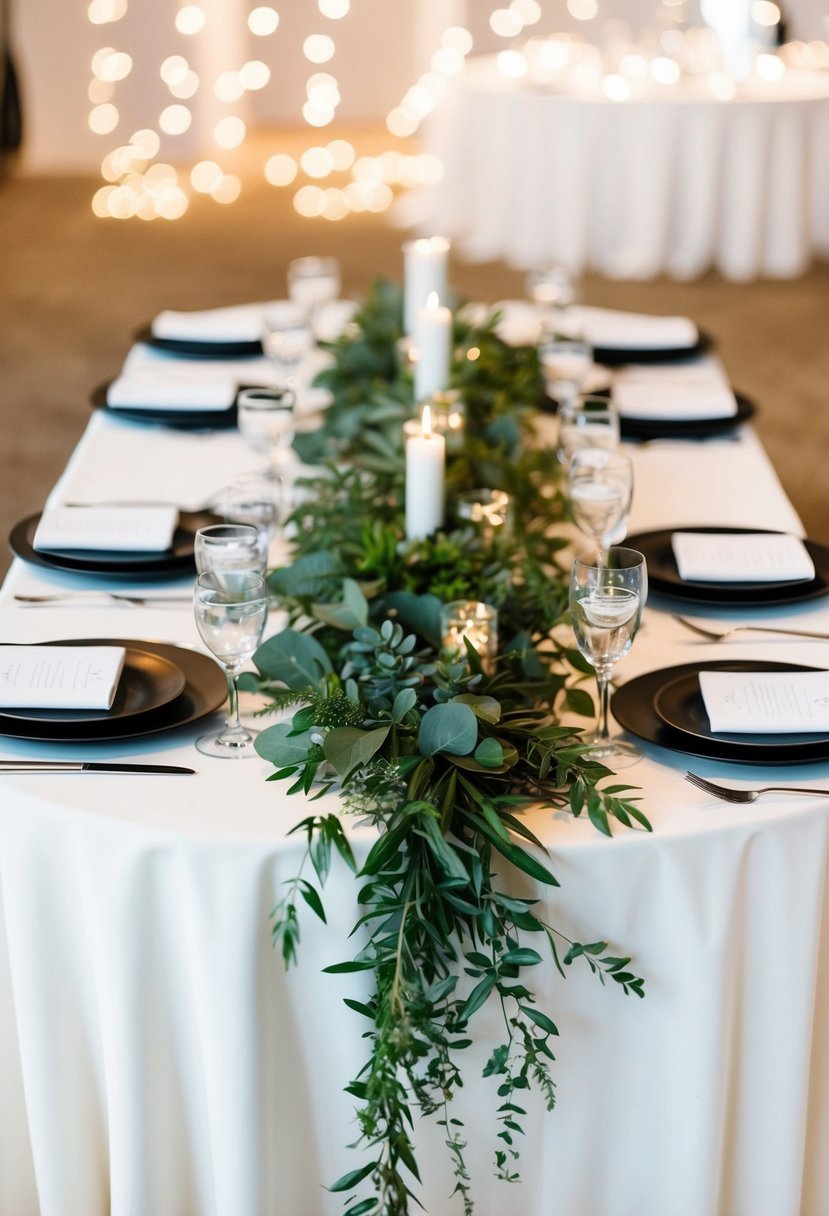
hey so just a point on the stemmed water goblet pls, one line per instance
(265, 418)
(601, 488)
(552, 289)
(229, 548)
(606, 603)
(586, 422)
(565, 363)
(231, 609)
(254, 499)
(313, 282)
(287, 338)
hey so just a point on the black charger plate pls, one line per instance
(184, 420)
(193, 348)
(205, 691)
(634, 708)
(147, 682)
(173, 563)
(664, 577)
(697, 428)
(615, 356)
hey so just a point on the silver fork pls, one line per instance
(727, 794)
(107, 597)
(722, 635)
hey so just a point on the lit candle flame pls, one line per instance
(426, 422)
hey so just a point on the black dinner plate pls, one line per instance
(614, 356)
(147, 682)
(205, 691)
(194, 419)
(687, 428)
(680, 705)
(174, 562)
(634, 708)
(664, 577)
(193, 348)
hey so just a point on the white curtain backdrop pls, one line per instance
(381, 49)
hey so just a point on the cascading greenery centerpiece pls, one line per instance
(438, 754)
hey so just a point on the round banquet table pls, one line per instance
(674, 182)
(155, 1057)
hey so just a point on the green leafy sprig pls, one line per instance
(440, 756)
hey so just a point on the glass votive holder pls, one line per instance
(474, 621)
(449, 417)
(485, 509)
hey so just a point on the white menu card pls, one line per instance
(734, 557)
(766, 702)
(60, 677)
(124, 529)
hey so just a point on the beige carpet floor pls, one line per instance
(74, 289)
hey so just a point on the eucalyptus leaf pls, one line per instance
(294, 659)
(450, 728)
(282, 748)
(348, 748)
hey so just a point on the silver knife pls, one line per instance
(85, 766)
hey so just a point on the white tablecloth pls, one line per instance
(155, 1058)
(673, 183)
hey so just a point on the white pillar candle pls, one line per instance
(425, 465)
(433, 348)
(425, 269)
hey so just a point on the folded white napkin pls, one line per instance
(766, 702)
(733, 557)
(622, 330)
(698, 389)
(149, 392)
(238, 323)
(127, 529)
(520, 322)
(59, 677)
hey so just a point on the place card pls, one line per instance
(127, 529)
(734, 557)
(766, 702)
(688, 391)
(147, 392)
(60, 677)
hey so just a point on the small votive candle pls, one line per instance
(448, 414)
(474, 621)
(486, 509)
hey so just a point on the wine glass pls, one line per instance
(231, 609)
(586, 422)
(254, 499)
(606, 603)
(564, 364)
(601, 488)
(265, 418)
(313, 282)
(228, 548)
(551, 287)
(286, 340)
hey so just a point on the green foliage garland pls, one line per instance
(438, 754)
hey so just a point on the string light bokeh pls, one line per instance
(329, 179)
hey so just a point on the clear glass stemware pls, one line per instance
(265, 418)
(224, 548)
(231, 609)
(313, 282)
(587, 422)
(601, 488)
(606, 603)
(287, 338)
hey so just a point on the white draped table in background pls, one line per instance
(155, 1060)
(676, 182)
